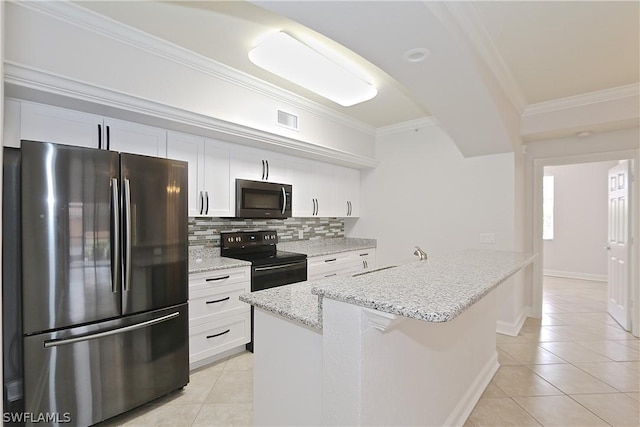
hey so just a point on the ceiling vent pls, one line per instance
(287, 120)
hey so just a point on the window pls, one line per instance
(547, 207)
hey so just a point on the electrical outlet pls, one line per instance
(488, 238)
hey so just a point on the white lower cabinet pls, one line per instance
(218, 321)
(320, 267)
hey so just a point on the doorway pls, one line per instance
(539, 166)
(575, 218)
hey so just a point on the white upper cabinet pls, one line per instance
(51, 124)
(190, 149)
(258, 165)
(347, 194)
(40, 122)
(209, 194)
(11, 129)
(314, 189)
(135, 138)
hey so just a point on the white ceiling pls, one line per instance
(545, 50)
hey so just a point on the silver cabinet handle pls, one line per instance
(201, 202)
(284, 199)
(206, 211)
(267, 162)
(115, 234)
(58, 342)
(263, 170)
(127, 243)
(330, 260)
(99, 137)
(317, 206)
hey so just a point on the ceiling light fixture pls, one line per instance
(293, 60)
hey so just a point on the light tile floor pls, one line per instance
(574, 367)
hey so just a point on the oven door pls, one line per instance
(270, 276)
(256, 199)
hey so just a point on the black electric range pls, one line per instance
(269, 266)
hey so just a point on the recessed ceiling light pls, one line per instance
(583, 134)
(417, 55)
(293, 60)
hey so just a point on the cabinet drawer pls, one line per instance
(211, 338)
(328, 264)
(226, 277)
(207, 304)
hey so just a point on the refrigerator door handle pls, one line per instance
(115, 235)
(127, 237)
(59, 342)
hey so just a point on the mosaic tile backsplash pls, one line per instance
(205, 232)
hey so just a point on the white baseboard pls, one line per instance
(513, 329)
(576, 275)
(209, 360)
(464, 407)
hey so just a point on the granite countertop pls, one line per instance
(209, 259)
(436, 290)
(203, 260)
(319, 247)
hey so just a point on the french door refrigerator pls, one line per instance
(104, 280)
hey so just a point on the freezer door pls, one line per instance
(69, 266)
(155, 242)
(87, 374)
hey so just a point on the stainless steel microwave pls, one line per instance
(259, 199)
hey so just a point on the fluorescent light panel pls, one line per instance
(286, 57)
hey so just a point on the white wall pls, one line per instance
(580, 221)
(424, 192)
(63, 44)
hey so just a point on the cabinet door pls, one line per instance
(324, 190)
(219, 200)
(40, 122)
(11, 129)
(300, 175)
(190, 148)
(347, 194)
(258, 165)
(353, 192)
(135, 138)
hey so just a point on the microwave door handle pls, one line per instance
(284, 200)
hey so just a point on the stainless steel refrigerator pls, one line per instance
(104, 281)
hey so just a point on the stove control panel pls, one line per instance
(248, 238)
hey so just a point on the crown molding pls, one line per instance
(20, 78)
(471, 26)
(118, 31)
(601, 96)
(409, 125)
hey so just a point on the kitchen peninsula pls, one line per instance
(400, 345)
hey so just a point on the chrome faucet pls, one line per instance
(420, 253)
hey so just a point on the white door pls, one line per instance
(618, 247)
(219, 200)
